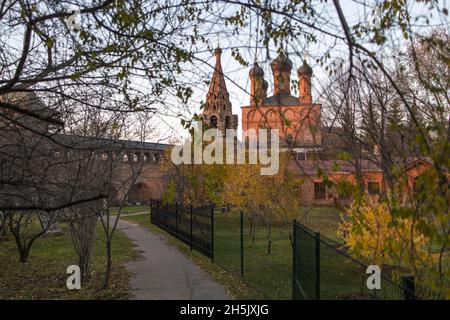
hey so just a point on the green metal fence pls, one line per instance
(241, 248)
(322, 270)
(279, 263)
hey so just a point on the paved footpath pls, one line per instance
(164, 273)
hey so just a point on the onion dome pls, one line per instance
(281, 63)
(256, 71)
(305, 69)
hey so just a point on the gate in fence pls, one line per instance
(321, 270)
(192, 225)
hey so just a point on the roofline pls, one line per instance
(127, 144)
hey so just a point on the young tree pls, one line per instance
(26, 229)
(271, 201)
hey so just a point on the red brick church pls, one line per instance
(298, 120)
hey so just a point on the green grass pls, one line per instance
(322, 219)
(44, 276)
(131, 209)
(270, 274)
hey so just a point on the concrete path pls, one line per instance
(164, 273)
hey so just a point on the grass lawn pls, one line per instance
(270, 274)
(324, 220)
(44, 276)
(131, 209)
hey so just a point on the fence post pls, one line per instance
(242, 244)
(157, 212)
(176, 217)
(409, 288)
(294, 258)
(317, 265)
(212, 233)
(151, 208)
(191, 227)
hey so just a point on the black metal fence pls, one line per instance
(321, 270)
(192, 225)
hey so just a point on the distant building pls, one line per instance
(298, 120)
(35, 149)
(217, 112)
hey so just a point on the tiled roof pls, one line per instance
(29, 100)
(282, 100)
(312, 166)
(109, 144)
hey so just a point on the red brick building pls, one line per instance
(298, 121)
(296, 118)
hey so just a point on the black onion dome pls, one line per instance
(282, 63)
(256, 70)
(305, 69)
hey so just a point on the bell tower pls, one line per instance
(304, 83)
(217, 110)
(281, 69)
(258, 86)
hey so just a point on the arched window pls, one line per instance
(227, 122)
(290, 138)
(213, 121)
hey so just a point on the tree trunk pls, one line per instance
(269, 243)
(83, 262)
(24, 249)
(108, 264)
(23, 254)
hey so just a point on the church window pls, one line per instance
(213, 121)
(373, 187)
(290, 138)
(319, 191)
(301, 156)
